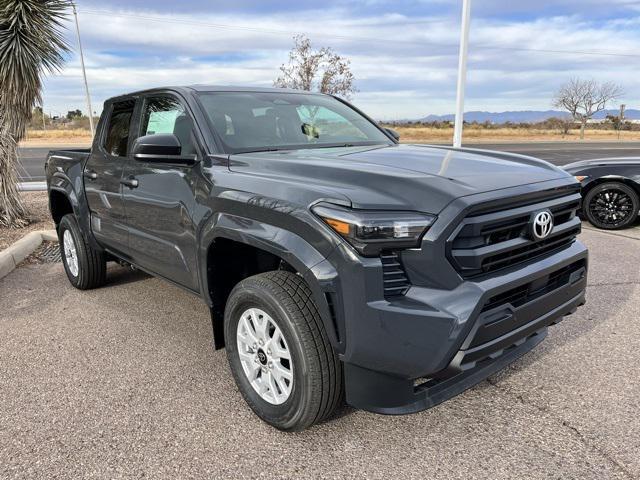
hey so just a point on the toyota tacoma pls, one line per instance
(338, 264)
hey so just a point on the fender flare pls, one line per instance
(63, 184)
(320, 275)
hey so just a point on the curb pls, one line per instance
(16, 253)
(615, 233)
(32, 186)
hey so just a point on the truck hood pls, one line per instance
(412, 177)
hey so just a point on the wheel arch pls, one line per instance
(72, 188)
(610, 179)
(241, 247)
(60, 205)
(62, 200)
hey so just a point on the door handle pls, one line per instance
(130, 182)
(90, 174)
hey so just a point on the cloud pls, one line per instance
(404, 54)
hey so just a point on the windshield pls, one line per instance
(257, 121)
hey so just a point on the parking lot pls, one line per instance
(559, 153)
(123, 382)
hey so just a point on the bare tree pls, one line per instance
(562, 124)
(321, 70)
(31, 43)
(584, 98)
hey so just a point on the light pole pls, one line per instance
(84, 72)
(462, 73)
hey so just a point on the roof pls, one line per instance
(214, 88)
(232, 88)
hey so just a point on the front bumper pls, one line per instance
(412, 353)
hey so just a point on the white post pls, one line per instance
(84, 72)
(462, 73)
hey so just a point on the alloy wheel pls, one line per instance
(265, 356)
(70, 254)
(611, 207)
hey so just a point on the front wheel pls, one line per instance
(85, 266)
(611, 206)
(279, 352)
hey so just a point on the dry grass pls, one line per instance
(48, 137)
(478, 134)
(38, 208)
(416, 134)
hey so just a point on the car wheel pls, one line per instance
(86, 267)
(611, 206)
(279, 353)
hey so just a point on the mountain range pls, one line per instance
(524, 116)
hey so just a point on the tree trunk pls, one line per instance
(582, 125)
(12, 211)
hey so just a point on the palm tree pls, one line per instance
(31, 44)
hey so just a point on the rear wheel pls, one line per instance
(279, 352)
(85, 266)
(611, 206)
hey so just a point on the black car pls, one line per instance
(610, 190)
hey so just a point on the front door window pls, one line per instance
(164, 114)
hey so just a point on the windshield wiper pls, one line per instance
(347, 145)
(262, 150)
(312, 146)
(334, 145)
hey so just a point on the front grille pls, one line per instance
(395, 279)
(528, 292)
(509, 311)
(487, 242)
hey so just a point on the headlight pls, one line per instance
(371, 231)
(581, 178)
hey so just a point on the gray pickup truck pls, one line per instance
(337, 263)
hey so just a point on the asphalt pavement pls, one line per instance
(32, 159)
(563, 153)
(122, 382)
(558, 153)
(32, 163)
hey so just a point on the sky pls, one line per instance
(404, 53)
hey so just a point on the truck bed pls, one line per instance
(73, 153)
(65, 164)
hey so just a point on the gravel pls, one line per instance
(38, 207)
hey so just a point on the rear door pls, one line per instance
(160, 208)
(102, 176)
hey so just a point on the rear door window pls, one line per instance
(116, 141)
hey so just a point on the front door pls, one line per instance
(102, 176)
(162, 234)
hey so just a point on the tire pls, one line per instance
(317, 385)
(611, 206)
(89, 270)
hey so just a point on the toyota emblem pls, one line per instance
(541, 225)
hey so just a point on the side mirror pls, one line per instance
(161, 148)
(393, 133)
